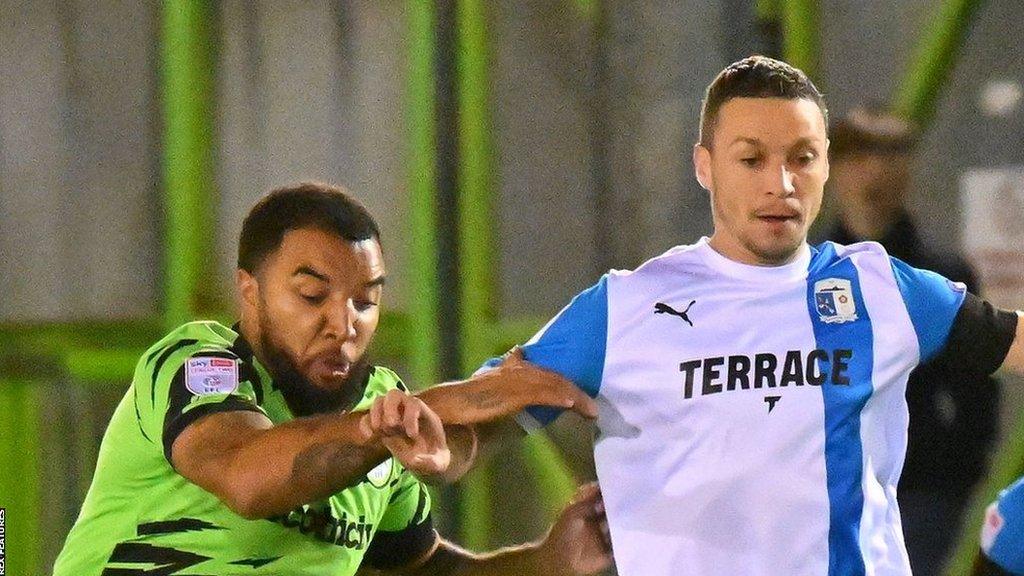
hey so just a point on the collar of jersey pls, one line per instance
(793, 271)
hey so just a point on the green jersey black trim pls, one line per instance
(390, 550)
(160, 364)
(174, 526)
(141, 517)
(174, 428)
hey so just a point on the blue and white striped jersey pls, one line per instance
(752, 419)
(1002, 535)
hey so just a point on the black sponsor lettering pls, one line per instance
(839, 366)
(688, 368)
(739, 373)
(793, 369)
(711, 374)
(323, 526)
(815, 375)
(764, 370)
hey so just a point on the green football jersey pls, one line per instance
(141, 517)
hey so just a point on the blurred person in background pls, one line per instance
(276, 447)
(954, 412)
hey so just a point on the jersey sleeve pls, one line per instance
(932, 302)
(1002, 535)
(189, 380)
(406, 531)
(573, 345)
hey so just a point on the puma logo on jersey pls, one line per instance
(662, 308)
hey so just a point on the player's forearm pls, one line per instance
(1015, 356)
(482, 398)
(301, 461)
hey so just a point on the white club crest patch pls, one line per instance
(833, 299)
(210, 375)
(380, 475)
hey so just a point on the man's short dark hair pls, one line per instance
(871, 129)
(755, 77)
(306, 205)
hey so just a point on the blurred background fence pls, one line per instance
(512, 152)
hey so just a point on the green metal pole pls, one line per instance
(800, 42)
(476, 186)
(476, 244)
(20, 481)
(767, 9)
(187, 74)
(422, 189)
(934, 58)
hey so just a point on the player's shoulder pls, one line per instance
(870, 258)
(669, 262)
(201, 337)
(832, 251)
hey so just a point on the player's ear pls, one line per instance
(248, 288)
(827, 166)
(702, 165)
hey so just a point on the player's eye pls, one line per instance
(750, 161)
(364, 305)
(806, 159)
(312, 298)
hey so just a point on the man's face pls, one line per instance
(314, 305)
(766, 171)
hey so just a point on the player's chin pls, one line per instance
(779, 249)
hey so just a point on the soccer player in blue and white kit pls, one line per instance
(751, 387)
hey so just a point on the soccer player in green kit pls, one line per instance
(274, 447)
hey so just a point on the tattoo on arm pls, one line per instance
(331, 461)
(485, 399)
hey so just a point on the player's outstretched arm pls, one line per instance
(577, 545)
(1015, 357)
(505, 391)
(261, 470)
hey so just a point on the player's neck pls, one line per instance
(736, 252)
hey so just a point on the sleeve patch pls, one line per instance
(993, 524)
(211, 375)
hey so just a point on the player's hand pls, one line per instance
(579, 542)
(506, 390)
(411, 431)
(534, 386)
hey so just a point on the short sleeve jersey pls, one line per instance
(141, 515)
(1002, 534)
(752, 420)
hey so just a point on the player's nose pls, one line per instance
(781, 181)
(339, 321)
